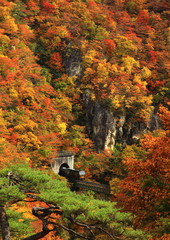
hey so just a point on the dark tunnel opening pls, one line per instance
(63, 166)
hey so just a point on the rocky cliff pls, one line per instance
(106, 129)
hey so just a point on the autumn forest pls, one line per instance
(91, 77)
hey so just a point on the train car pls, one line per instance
(71, 174)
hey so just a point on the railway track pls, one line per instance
(75, 176)
(97, 187)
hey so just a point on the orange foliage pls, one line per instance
(56, 61)
(145, 190)
(36, 224)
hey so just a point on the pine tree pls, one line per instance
(59, 209)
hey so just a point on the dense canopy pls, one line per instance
(91, 77)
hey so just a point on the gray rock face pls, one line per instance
(72, 62)
(102, 126)
(106, 129)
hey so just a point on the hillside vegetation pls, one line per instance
(57, 59)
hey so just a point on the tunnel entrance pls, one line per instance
(63, 159)
(62, 167)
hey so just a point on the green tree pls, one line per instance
(79, 215)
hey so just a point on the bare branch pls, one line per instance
(89, 227)
(111, 236)
(42, 212)
(30, 200)
(37, 235)
(69, 230)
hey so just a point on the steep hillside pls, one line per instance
(65, 64)
(89, 77)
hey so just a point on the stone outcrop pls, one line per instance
(106, 129)
(72, 63)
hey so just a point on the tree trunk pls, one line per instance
(4, 225)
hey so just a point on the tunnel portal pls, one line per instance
(63, 159)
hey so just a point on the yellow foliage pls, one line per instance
(10, 26)
(113, 90)
(62, 127)
(114, 186)
(3, 123)
(93, 97)
(113, 68)
(129, 63)
(1, 112)
(129, 101)
(4, 43)
(146, 73)
(13, 93)
(26, 210)
(63, 103)
(129, 152)
(4, 39)
(89, 71)
(89, 58)
(7, 22)
(62, 31)
(29, 140)
(102, 70)
(4, 13)
(137, 79)
(29, 125)
(84, 44)
(146, 100)
(145, 112)
(49, 42)
(27, 92)
(124, 45)
(139, 85)
(19, 128)
(101, 33)
(116, 101)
